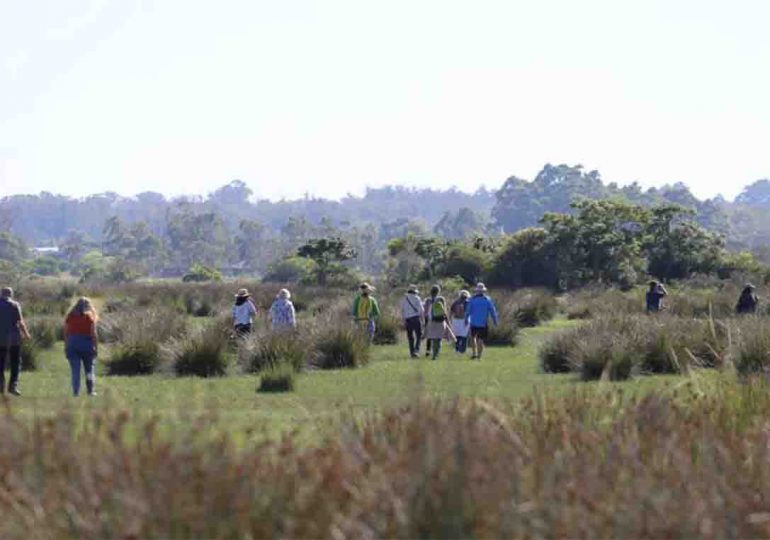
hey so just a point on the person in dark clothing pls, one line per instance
(413, 314)
(654, 297)
(748, 301)
(435, 290)
(12, 330)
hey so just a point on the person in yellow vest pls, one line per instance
(366, 310)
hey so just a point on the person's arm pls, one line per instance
(22, 326)
(94, 336)
(375, 309)
(252, 307)
(292, 315)
(355, 306)
(663, 290)
(493, 311)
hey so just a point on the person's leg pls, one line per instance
(474, 339)
(410, 336)
(89, 366)
(14, 356)
(436, 348)
(427, 345)
(3, 356)
(480, 345)
(371, 329)
(417, 336)
(74, 359)
(462, 344)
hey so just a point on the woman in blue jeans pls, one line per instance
(81, 343)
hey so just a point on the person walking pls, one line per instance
(460, 326)
(438, 328)
(480, 308)
(366, 310)
(748, 301)
(435, 290)
(80, 344)
(413, 313)
(13, 329)
(654, 297)
(282, 314)
(244, 312)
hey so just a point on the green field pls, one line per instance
(320, 398)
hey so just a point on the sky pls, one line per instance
(328, 97)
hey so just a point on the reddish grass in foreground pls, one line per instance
(588, 465)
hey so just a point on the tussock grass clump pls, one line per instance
(30, 355)
(340, 347)
(534, 308)
(277, 379)
(141, 336)
(556, 352)
(267, 350)
(388, 330)
(504, 334)
(46, 331)
(202, 352)
(751, 346)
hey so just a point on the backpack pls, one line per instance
(438, 309)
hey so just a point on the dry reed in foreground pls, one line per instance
(591, 465)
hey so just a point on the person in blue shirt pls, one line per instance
(480, 309)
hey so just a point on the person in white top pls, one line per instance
(244, 311)
(413, 313)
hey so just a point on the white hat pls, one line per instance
(480, 287)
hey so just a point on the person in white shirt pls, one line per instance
(244, 311)
(413, 313)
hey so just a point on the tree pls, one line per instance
(463, 224)
(465, 261)
(327, 253)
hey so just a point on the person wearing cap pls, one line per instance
(477, 314)
(654, 297)
(459, 325)
(244, 311)
(12, 330)
(435, 290)
(438, 328)
(366, 310)
(748, 301)
(413, 313)
(282, 313)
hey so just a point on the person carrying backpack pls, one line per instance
(413, 313)
(438, 328)
(435, 290)
(459, 325)
(654, 297)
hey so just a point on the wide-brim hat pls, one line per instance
(242, 293)
(465, 293)
(749, 286)
(367, 287)
(412, 288)
(480, 287)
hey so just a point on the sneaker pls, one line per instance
(414, 355)
(14, 390)
(92, 393)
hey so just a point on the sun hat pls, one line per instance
(749, 286)
(367, 287)
(242, 293)
(284, 293)
(412, 288)
(464, 293)
(480, 287)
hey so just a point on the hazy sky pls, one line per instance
(329, 96)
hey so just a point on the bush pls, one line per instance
(388, 330)
(278, 379)
(556, 353)
(504, 334)
(262, 351)
(198, 306)
(29, 355)
(752, 345)
(199, 273)
(45, 331)
(534, 308)
(202, 352)
(341, 347)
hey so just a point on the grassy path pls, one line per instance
(321, 396)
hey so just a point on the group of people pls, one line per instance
(80, 342)
(748, 301)
(434, 319)
(282, 314)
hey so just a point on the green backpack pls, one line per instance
(438, 309)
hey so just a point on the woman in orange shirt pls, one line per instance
(81, 343)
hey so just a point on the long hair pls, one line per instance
(82, 306)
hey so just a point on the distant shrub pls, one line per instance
(142, 334)
(198, 306)
(278, 379)
(751, 349)
(504, 334)
(556, 352)
(267, 350)
(45, 331)
(535, 308)
(202, 352)
(199, 273)
(387, 331)
(30, 352)
(340, 347)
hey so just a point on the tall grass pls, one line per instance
(202, 352)
(340, 346)
(266, 350)
(588, 465)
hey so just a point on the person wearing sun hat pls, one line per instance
(459, 325)
(748, 301)
(412, 313)
(366, 310)
(480, 309)
(244, 312)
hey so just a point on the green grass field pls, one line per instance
(320, 398)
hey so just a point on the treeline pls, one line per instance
(389, 231)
